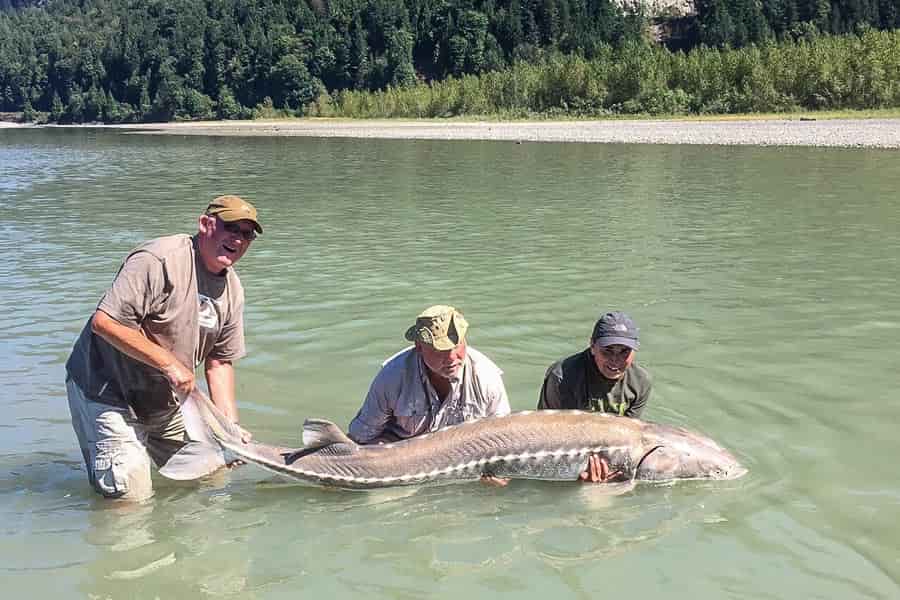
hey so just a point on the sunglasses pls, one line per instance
(233, 228)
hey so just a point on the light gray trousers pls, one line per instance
(117, 446)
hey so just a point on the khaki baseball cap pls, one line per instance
(234, 208)
(440, 326)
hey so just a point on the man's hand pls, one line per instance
(598, 471)
(246, 436)
(494, 481)
(180, 378)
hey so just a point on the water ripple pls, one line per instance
(763, 280)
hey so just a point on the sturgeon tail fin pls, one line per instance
(203, 453)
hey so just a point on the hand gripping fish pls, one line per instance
(549, 444)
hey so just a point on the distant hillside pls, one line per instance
(132, 60)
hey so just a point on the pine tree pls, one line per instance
(399, 58)
(29, 115)
(144, 102)
(716, 27)
(358, 67)
(56, 108)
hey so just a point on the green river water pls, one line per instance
(764, 281)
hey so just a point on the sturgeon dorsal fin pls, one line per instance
(319, 432)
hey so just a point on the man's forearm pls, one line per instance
(135, 344)
(131, 341)
(368, 426)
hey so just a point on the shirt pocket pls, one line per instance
(412, 416)
(412, 408)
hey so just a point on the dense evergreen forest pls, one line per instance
(134, 60)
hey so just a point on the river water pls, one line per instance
(764, 281)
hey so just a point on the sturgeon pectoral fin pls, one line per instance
(319, 432)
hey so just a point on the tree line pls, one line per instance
(141, 60)
(737, 23)
(826, 73)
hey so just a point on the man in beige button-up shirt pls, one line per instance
(438, 382)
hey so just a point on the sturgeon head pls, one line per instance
(677, 453)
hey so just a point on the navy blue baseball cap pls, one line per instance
(615, 328)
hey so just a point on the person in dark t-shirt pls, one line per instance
(175, 304)
(603, 378)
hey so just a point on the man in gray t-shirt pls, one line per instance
(176, 303)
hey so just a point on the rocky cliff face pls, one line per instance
(660, 9)
(669, 21)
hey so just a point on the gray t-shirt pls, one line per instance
(164, 290)
(402, 403)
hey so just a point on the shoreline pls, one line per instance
(841, 133)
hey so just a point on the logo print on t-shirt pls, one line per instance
(209, 316)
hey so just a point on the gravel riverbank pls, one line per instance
(863, 133)
(851, 133)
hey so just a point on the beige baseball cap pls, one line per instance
(234, 208)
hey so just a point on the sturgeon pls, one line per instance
(548, 444)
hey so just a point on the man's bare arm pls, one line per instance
(136, 345)
(220, 379)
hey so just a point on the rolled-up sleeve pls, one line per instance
(499, 405)
(369, 423)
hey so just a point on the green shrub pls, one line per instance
(814, 72)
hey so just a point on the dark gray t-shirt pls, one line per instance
(164, 290)
(576, 382)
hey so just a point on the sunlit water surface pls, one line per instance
(764, 281)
